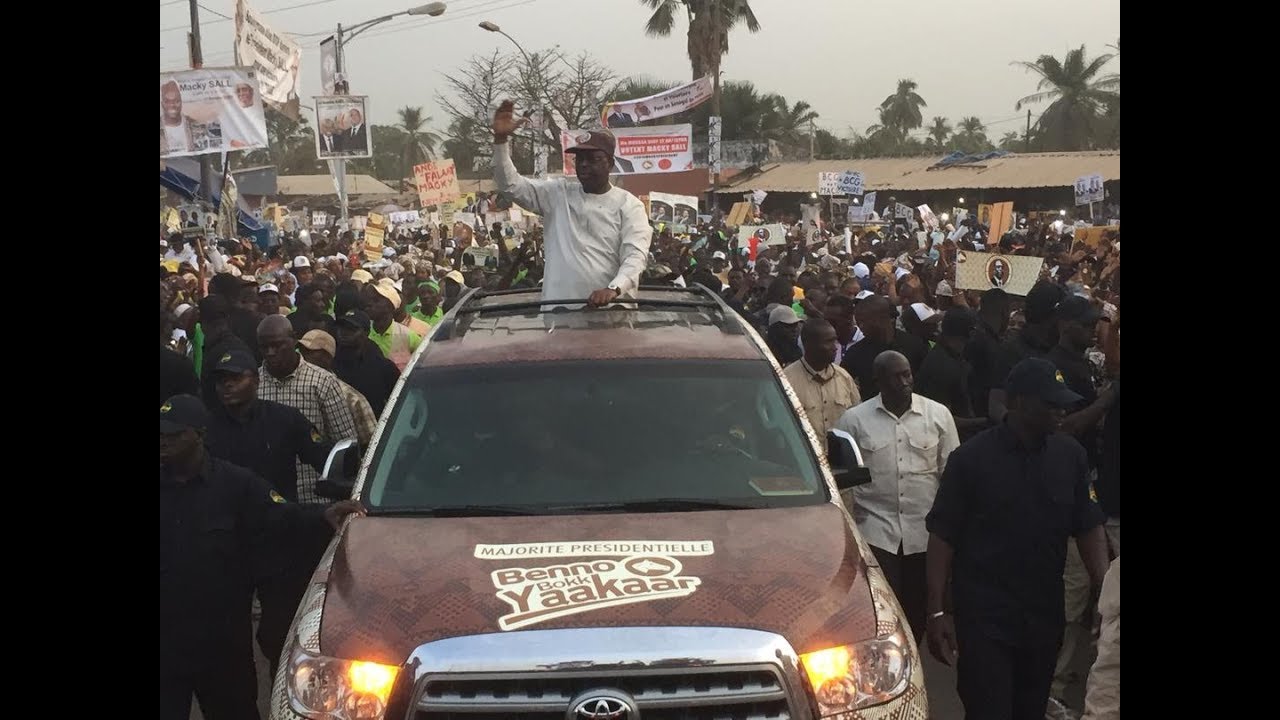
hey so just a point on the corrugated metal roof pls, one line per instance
(302, 185)
(1014, 171)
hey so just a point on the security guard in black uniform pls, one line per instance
(220, 527)
(1007, 503)
(266, 437)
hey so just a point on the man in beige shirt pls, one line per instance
(825, 389)
(1102, 698)
(905, 440)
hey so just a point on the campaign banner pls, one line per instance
(930, 220)
(627, 113)
(211, 110)
(437, 182)
(848, 182)
(341, 130)
(405, 217)
(274, 55)
(1094, 235)
(1015, 274)
(1089, 189)
(641, 150)
(1001, 220)
(329, 65)
(764, 234)
(677, 209)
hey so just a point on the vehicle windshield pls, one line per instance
(591, 437)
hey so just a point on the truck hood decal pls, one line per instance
(396, 583)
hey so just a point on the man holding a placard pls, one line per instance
(596, 236)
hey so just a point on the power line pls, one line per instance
(330, 32)
(265, 12)
(215, 12)
(471, 12)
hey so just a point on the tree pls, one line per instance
(1012, 142)
(902, 109)
(419, 144)
(972, 137)
(939, 132)
(709, 24)
(291, 146)
(1077, 95)
(789, 125)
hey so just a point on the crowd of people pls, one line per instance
(990, 422)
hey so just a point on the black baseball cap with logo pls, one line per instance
(235, 361)
(356, 319)
(183, 412)
(1035, 377)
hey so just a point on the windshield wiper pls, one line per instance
(659, 505)
(456, 511)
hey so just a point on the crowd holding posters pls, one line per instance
(656, 149)
(627, 113)
(848, 182)
(1089, 189)
(211, 110)
(341, 131)
(437, 182)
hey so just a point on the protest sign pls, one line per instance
(319, 219)
(775, 234)
(641, 150)
(1093, 236)
(476, 256)
(848, 182)
(466, 218)
(406, 217)
(1089, 189)
(984, 214)
(275, 56)
(678, 209)
(628, 113)
(930, 220)
(1001, 220)
(1015, 274)
(437, 182)
(373, 239)
(739, 214)
(341, 130)
(211, 110)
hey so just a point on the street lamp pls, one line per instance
(433, 9)
(493, 27)
(961, 201)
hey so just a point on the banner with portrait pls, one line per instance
(275, 55)
(211, 110)
(1015, 274)
(675, 209)
(342, 130)
(641, 150)
(628, 113)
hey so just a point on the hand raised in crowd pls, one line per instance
(505, 122)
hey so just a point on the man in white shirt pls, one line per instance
(905, 440)
(825, 389)
(175, 127)
(596, 236)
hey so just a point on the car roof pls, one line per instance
(517, 327)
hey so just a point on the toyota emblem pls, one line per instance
(603, 705)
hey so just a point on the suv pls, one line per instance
(598, 514)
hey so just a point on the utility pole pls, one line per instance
(197, 61)
(714, 125)
(1028, 129)
(341, 88)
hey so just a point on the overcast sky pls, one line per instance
(842, 56)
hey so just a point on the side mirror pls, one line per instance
(846, 460)
(340, 471)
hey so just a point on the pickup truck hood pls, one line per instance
(396, 583)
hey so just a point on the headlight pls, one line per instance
(852, 677)
(327, 688)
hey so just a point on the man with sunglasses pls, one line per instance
(596, 236)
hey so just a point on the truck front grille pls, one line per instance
(720, 693)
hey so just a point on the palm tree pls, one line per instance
(903, 107)
(972, 137)
(1077, 94)
(419, 143)
(709, 24)
(789, 123)
(1012, 141)
(939, 132)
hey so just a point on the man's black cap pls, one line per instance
(1035, 377)
(356, 319)
(235, 361)
(1078, 309)
(182, 412)
(1041, 301)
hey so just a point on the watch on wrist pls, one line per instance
(617, 293)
